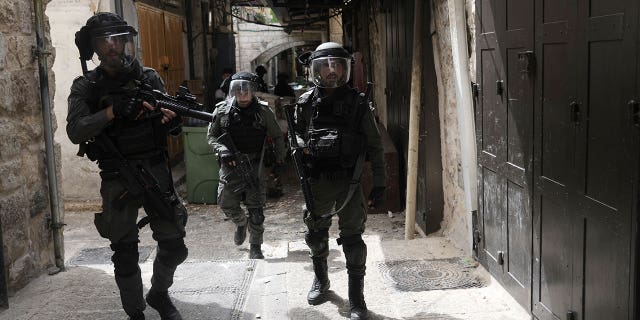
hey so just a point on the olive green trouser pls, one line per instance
(117, 222)
(329, 195)
(230, 202)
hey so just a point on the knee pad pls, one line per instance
(172, 252)
(125, 258)
(318, 242)
(256, 215)
(355, 252)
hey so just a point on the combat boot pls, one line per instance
(240, 235)
(321, 282)
(255, 252)
(137, 316)
(356, 298)
(163, 304)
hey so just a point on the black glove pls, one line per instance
(278, 169)
(375, 196)
(128, 108)
(226, 157)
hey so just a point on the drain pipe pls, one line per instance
(414, 123)
(458, 29)
(40, 50)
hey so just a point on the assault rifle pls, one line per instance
(297, 152)
(140, 182)
(243, 168)
(183, 103)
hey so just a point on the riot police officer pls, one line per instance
(127, 136)
(246, 122)
(262, 86)
(338, 128)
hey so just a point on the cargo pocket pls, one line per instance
(102, 224)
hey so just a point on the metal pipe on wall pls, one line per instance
(414, 122)
(189, 13)
(458, 30)
(56, 224)
(206, 76)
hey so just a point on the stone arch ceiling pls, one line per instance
(273, 51)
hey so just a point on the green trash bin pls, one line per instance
(201, 166)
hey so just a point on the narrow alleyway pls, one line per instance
(218, 281)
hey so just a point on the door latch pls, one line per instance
(475, 89)
(500, 257)
(499, 87)
(574, 110)
(527, 61)
(634, 109)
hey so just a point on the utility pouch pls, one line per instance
(325, 142)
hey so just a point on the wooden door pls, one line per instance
(504, 117)
(161, 37)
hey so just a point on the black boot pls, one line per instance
(321, 282)
(163, 304)
(356, 298)
(138, 316)
(240, 235)
(255, 252)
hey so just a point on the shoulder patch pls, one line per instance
(78, 78)
(305, 97)
(220, 104)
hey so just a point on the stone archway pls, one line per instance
(268, 54)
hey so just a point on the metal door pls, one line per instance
(554, 151)
(602, 202)
(504, 116)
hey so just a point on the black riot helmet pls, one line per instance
(243, 87)
(107, 40)
(330, 65)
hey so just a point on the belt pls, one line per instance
(114, 164)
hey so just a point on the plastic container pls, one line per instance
(201, 167)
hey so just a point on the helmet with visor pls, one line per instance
(243, 87)
(108, 41)
(330, 65)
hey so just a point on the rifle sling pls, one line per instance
(124, 162)
(357, 171)
(353, 185)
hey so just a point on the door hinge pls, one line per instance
(475, 89)
(500, 257)
(571, 315)
(634, 109)
(574, 110)
(499, 87)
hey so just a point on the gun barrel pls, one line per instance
(176, 107)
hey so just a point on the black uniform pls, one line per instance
(141, 142)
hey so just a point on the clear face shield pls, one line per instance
(330, 72)
(115, 51)
(242, 91)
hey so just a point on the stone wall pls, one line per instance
(24, 193)
(457, 220)
(79, 179)
(253, 39)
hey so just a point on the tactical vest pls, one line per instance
(247, 129)
(334, 134)
(134, 139)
